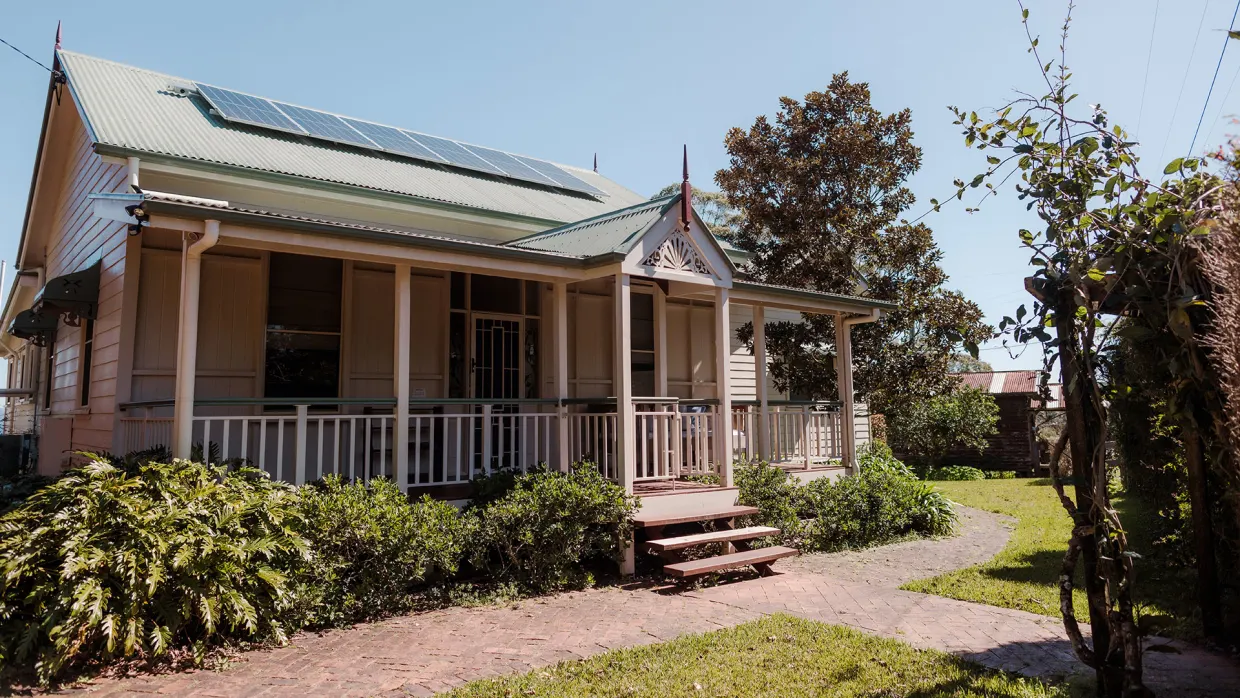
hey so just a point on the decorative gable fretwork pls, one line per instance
(677, 253)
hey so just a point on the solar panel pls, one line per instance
(235, 106)
(455, 153)
(323, 125)
(393, 140)
(559, 176)
(510, 165)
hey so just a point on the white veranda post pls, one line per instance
(723, 356)
(400, 436)
(187, 340)
(760, 381)
(844, 381)
(626, 461)
(559, 300)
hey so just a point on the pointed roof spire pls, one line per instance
(57, 35)
(686, 193)
(596, 163)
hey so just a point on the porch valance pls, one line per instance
(74, 295)
(33, 326)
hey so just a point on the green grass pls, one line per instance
(1024, 576)
(775, 656)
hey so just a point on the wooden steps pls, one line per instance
(756, 556)
(727, 535)
(707, 527)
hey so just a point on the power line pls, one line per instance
(1226, 40)
(27, 55)
(1149, 54)
(1176, 109)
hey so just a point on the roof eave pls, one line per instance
(38, 160)
(860, 303)
(229, 215)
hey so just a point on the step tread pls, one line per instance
(724, 536)
(723, 562)
(705, 515)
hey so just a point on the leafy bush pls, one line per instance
(105, 563)
(876, 455)
(539, 532)
(1000, 474)
(926, 431)
(770, 489)
(955, 472)
(870, 508)
(373, 548)
(15, 490)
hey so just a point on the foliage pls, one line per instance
(15, 490)
(873, 507)
(821, 189)
(373, 548)
(965, 363)
(927, 430)
(1025, 574)
(540, 531)
(773, 491)
(779, 656)
(1221, 266)
(720, 217)
(1000, 474)
(105, 563)
(955, 472)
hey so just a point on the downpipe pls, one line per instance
(187, 338)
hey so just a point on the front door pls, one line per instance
(497, 367)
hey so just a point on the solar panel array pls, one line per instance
(258, 111)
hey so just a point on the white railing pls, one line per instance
(808, 434)
(449, 441)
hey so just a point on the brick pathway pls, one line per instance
(425, 653)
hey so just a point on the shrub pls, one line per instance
(1000, 475)
(927, 430)
(955, 472)
(877, 455)
(15, 490)
(373, 548)
(770, 489)
(872, 507)
(105, 563)
(540, 531)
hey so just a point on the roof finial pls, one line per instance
(686, 193)
(596, 163)
(57, 35)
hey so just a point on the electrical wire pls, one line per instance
(1149, 54)
(27, 55)
(1226, 40)
(1176, 109)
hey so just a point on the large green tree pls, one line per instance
(720, 216)
(821, 189)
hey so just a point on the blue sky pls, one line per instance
(633, 81)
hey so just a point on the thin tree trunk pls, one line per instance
(1208, 593)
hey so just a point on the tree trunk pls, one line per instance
(1208, 594)
(1084, 431)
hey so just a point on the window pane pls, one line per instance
(302, 365)
(495, 294)
(458, 290)
(531, 297)
(531, 359)
(641, 314)
(304, 293)
(456, 355)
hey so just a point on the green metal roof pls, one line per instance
(611, 232)
(135, 111)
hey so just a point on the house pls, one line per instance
(1015, 446)
(313, 293)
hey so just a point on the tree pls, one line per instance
(1112, 242)
(965, 363)
(719, 216)
(927, 430)
(821, 190)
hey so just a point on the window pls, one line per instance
(88, 349)
(304, 302)
(641, 321)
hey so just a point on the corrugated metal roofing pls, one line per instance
(1002, 382)
(134, 109)
(611, 232)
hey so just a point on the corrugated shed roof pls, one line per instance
(1002, 382)
(611, 232)
(134, 109)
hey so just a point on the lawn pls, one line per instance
(1024, 576)
(775, 656)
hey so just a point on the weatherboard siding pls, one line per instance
(78, 239)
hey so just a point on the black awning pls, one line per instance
(36, 327)
(75, 296)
